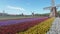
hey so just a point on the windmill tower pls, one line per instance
(53, 9)
(53, 12)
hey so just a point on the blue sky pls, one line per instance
(25, 6)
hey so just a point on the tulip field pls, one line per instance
(41, 28)
(38, 25)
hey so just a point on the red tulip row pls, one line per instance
(15, 28)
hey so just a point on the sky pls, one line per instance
(25, 6)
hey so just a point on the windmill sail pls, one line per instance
(53, 3)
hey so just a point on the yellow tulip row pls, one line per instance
(41, 28)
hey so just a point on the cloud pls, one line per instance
(15, 8)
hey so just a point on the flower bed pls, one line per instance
(41, 28)
(8, 27)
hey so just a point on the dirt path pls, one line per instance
(55, 28)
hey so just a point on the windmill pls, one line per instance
(22, 14)
(53, 9)
(3, 12)
(33, 13)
